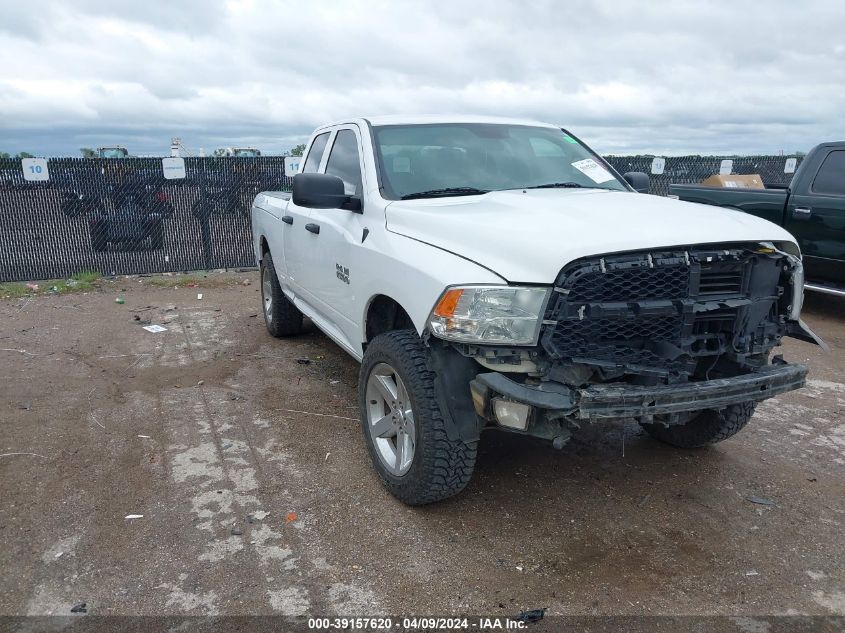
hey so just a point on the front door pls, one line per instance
(333, 277)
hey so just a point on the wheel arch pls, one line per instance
(384, 314)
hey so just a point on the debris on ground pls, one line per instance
(291, 517)
(752, 573)
(258, 515)
(303, 361)
(155, 329)
(533, 615)
(120, 300)
(33, 287)
(200, 383)
(134, 516)
(236, 531)
(246, 282)
(333, 382)
(762, 501)
(199, 295)
(145, 437)
(81, 607)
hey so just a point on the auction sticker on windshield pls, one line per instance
(592, 170)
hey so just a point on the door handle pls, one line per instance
(287, 219)
(802, 213)
(314, 228)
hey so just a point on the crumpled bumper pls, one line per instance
(619, 400)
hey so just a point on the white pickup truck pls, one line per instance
(491, 273)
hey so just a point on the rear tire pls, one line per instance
(281, 316)
(439, 467)
(707, 427)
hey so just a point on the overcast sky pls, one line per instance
(667, 78)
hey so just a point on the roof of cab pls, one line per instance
(403, 119)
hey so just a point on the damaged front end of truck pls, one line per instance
(651, 335)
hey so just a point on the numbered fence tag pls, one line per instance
(292, 165)
(35, 169)
(789, 167)
(726, 167)
(658, 164)
(173, 167)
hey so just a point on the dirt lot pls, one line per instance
(257, 494)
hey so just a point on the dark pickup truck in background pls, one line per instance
(812, 208)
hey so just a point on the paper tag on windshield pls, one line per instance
(592, 170)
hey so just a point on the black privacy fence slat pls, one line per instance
(121, 216)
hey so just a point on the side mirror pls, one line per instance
(638, 180)
(318, 191)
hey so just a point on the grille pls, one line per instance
(628, 341)
(632, 283)
(638, 311)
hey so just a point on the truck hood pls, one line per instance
(528, 236)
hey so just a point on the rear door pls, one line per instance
(817, 219)
(296, 240)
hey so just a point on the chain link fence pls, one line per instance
(122, 216)
(774, 170)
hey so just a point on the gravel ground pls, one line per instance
(257, 494)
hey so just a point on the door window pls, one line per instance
(344, 162)
(831, 176)
(312, 163)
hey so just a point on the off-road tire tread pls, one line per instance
(442, 467)
(287, 319)
(708, 427)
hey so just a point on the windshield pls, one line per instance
(113, 152)
(471, 158)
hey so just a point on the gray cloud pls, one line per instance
(625, 76)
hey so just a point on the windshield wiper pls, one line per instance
(450, 191)
(558, 185)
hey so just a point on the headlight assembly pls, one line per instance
(506, 315)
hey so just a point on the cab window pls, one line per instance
(831, 177)
(344, 162)
(312, 163)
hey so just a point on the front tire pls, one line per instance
(403, 426)
(280, 315)
(705, 428)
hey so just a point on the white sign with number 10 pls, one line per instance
(35, 169)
